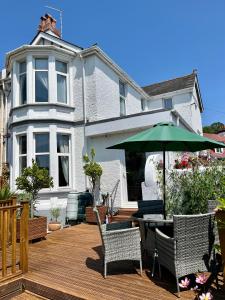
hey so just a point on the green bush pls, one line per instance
(31, 181)
(188, 192)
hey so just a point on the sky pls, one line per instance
(152, 40)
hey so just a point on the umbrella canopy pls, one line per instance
(166, 137)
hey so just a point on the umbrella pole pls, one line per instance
(164, 184)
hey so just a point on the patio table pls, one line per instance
(147, 228)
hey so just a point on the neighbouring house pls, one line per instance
(60, 100)
(219, 137)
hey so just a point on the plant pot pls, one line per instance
(37, 228)
(90, 214)
(220, 216)
(53, 226)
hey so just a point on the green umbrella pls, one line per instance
(166, 137)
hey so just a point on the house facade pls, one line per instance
(218, 153)
(60, 100)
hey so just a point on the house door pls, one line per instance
(135, 167)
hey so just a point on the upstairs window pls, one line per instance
(63, 159)
(22, 139)
(122, 91)
(168, 103)
(23, 82)
(41, 80)
(144, 104)
(61, 73)
(42, 150)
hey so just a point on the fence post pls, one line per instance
(24, 236)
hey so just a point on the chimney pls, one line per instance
(48, 23)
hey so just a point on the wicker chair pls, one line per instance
(190, 250)
(120, 242)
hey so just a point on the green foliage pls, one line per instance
(92, 169)
(213, 128)
(222, 203)
(5, 193)
(32, 180)
(55, 213)
(188, 192)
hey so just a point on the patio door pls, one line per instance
(135, 167)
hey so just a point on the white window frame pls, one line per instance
(63, 154)
(122, 98)
(42, 153)
(67, 80)
(40, 70)
(19, 75)
(219, 150)
(164, 103)
(24, 154)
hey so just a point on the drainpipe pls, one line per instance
(84, 108)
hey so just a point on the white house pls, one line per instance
(63, 99)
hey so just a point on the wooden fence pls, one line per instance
(13, 255)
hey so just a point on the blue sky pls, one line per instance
(151, 40)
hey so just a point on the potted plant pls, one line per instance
(220, 217)
(93, 170)
(54, 225)
(31, 181)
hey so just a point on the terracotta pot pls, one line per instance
(53, 226)
(90, 215)
(220, 216)
(37, 228)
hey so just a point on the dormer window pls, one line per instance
(23, 82)
(61, 73)
(41, 80)
(168, 103)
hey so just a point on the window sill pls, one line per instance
(42, 104)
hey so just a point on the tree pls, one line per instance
(32, 180)
(214, 127)
(93, 170)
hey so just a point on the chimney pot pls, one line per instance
(48, 23)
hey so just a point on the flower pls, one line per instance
(184, 283)
(207, 296)
(201, 278)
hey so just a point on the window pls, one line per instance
(23, 82)
(219, 150)
(42, 150)
(63, 159)
(61, 73)
(144, 104)
(168, 103)
(41, 80)
(122, 98)
(22, 139)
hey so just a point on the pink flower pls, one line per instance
(207, 296)
(184, 283)
(201, 278)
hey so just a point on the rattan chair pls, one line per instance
(190, 250)
(119, 242)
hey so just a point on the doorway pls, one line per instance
(135, 168)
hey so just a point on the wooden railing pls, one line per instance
(13, 255)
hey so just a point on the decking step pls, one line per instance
(127, 211)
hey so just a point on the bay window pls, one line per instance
(61, 73)
(22, 140)
(42, 150)
(41, 80)
(23, 82)
(63, 159)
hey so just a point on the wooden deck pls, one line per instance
(69, 264)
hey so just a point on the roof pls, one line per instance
(215, 137)
(171, 85)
